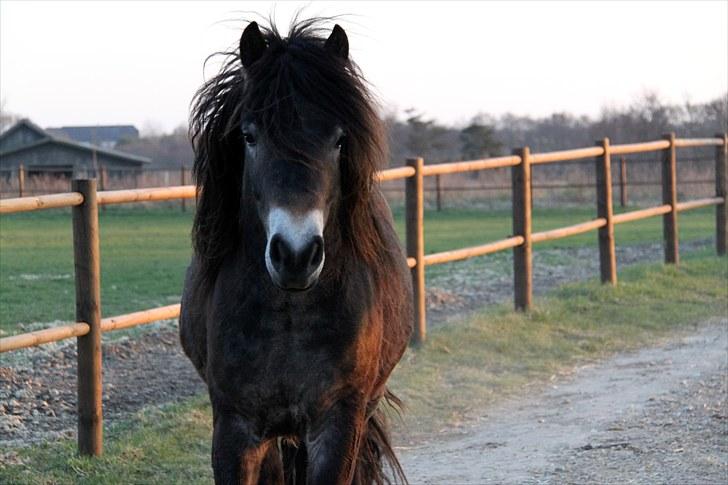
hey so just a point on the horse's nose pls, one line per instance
(295, 251)
(295, 268)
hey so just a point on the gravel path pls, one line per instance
(659, 415)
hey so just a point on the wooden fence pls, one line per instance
(85, 200)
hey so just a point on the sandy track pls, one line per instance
(658, 415)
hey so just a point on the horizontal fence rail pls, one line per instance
(53, 201)
(86, 198)
(79, 329)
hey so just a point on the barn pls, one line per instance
(42, 151)
(106, 136)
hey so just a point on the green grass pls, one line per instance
(462, 368)
(144, 254)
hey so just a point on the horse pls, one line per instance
(297, 301)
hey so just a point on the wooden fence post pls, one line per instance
(102, 178)
(414, 219)
(622, 182)
(88, 309)
(607, 257)
(183, 182)
(522, 257)
(721, 180)
(102, 182)
(438, 187)
(669, 197)
(21, 180)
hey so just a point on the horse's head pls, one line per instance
(292, 150)
(286, 139)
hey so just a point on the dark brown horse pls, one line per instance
(297, 302)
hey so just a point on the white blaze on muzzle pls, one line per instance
(297, 231)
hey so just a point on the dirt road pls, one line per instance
(659, 415)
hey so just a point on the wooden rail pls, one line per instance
(566, 155)
(140, 318)
(25, 204)
(79, 329)
(650, 146)
(467, 253)
(641, 214)
(698, 203)
(699, 142)
(469, 166)
(45, 336)
(567, 231)
(394, 174)
(85, 200)
(146, 195)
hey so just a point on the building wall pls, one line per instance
(57, 156)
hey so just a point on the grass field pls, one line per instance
(144, 253)
(463, 367)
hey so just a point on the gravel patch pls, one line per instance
(38, 392)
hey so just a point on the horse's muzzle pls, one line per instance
(295, 250)
(294, 269)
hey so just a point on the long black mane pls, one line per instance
(297, 66)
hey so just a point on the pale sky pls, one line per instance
(66, 63)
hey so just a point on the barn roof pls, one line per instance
(95, 134)
(48, 138)
(25, 122)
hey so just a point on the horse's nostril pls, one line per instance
(316, 253)
(278, 250)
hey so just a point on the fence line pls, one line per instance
(85, 200)
(37, 180)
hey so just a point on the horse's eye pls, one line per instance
(340, 141)
(249, 139)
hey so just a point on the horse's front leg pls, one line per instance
(333, 444)
(236, 452)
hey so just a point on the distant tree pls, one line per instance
(646, 117)
(167, 151)
(478, 141)
(425, 137)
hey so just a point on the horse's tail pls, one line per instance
(377, 462)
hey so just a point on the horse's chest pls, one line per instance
(282, 360)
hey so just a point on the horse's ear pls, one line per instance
(338, 43)
(252, 45)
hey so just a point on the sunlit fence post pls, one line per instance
(88, 310)
(415, 235)
(605, 210)
(622, 182)
(721, 181)
(21, 180)
(669, 197)
(522, 257)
